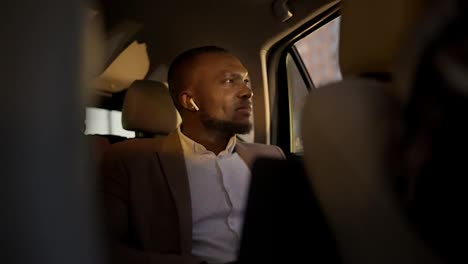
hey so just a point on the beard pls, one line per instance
(224, 126)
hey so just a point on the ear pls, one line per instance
(185, 101)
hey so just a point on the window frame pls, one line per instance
(280, 117)
(294, 53)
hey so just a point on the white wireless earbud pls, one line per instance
(194, 104)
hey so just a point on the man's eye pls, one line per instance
(229, 81)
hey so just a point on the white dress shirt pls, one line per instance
(218, 187)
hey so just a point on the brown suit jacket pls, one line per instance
(146, 202)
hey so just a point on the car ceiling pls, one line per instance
(163, 29)
(247, 28)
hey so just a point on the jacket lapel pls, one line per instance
(247, 156)
(174, 169)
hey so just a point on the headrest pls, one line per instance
(349, 129)
(372, 32)
(148, 108)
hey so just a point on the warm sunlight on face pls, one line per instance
(222, 88)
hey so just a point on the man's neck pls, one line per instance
(214, 141)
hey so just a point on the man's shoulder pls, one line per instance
(258, 149)
(256, 145)
(136, 146)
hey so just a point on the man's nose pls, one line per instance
(245, 92)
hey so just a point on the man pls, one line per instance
(181, 198)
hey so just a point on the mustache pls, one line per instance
(244, 104)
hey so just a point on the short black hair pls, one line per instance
(176, 76)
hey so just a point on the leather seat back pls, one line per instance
(148, 109)
(347, 131)
(350, 130)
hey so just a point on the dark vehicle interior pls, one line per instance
(366, 99)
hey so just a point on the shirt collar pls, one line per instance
(191, 147)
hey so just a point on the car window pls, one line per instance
(311, 63)
(297, 93)
(319, 52)
(105, 122)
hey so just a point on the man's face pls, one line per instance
(221, 88)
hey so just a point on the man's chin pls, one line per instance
(242, 128)
(228, 127)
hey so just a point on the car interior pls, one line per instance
(366, 99)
